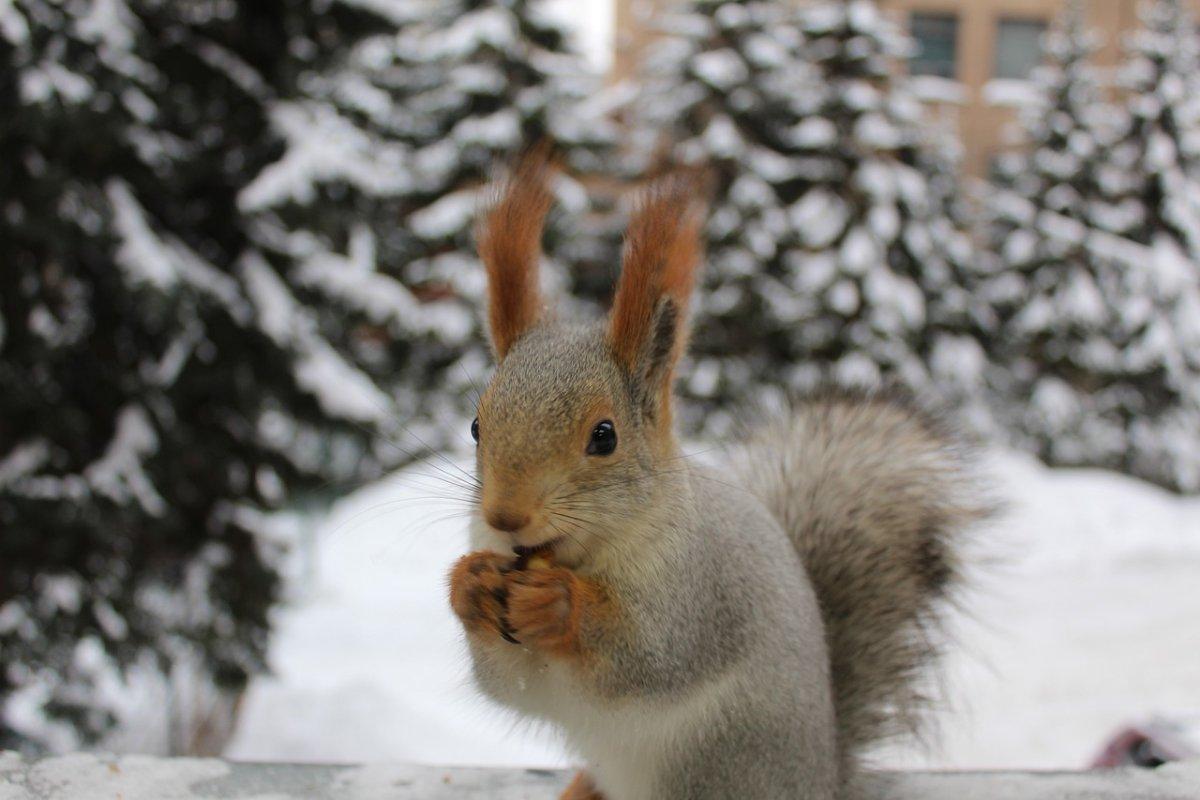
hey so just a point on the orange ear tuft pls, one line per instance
(663, 248)
(510, 245)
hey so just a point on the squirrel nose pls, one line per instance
(507, 521)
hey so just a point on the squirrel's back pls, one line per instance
(875, 493)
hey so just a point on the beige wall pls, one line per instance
(983, 126)
(986, 128)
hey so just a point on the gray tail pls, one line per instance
(876, 494)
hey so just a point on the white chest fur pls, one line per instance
(625, 742)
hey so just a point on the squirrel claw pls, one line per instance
(541, 608)
(478, 592)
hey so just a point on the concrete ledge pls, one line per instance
(93, 777)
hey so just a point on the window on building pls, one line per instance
(1018, 47)
(936, 37)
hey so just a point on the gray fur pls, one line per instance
(875, 493)
(717, 684)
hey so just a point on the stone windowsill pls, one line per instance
(94, 777)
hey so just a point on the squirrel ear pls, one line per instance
(510, 245)
(647, 328)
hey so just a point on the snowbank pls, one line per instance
(1083, 620)
(368, 663)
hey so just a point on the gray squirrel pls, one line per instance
(742, 633)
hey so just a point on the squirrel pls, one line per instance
(740, 633)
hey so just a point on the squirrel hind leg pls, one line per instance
(582, 788)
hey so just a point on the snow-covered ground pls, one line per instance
(1085, 616)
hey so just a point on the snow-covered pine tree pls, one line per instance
(331, 210)
(830, 243)
(1158, 161)
(164, 380)
(1159, 152)
(1055, 350)
(1091, 351)
(512, 76)
(405, 136)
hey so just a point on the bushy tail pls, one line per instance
(875, 493)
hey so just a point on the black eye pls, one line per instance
(475, 430)
(604, 439)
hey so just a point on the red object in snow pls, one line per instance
(1152, 744)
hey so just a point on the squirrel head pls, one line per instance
(575, 426)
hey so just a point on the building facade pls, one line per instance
(980, 50)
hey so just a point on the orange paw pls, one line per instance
(581, 788)
(545, 607)
(478, 593)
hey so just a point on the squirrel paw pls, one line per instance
(479, 592)
(544, 608)
(581, 788)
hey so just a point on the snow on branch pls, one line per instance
(354, 281)
(323, 147)
(495, 27)
(342, 390)
(119, 474)
(164, 262)
(24, 459)
(1011, 92)
(13, 26)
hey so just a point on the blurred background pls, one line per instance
(240, 337)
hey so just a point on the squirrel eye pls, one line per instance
(604, 439)
(475, 430)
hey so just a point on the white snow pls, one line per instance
(166, 370)
(81, 775)
(501, 129)
(764, 50)
(897, 303)
(142, 254)
(843, 297)
(884, 222)
(447, 215)
(934, 89)
(229, 63)
(88, 776)
(1011, 92)
(118, 474)
(877, 131)
(23, 459)
(860, 252)
(593, 22)
(722, 138)
(354, 280)
(859, 95)
(109, 22)
(38, 84)
(814, 132)
(323, 147)
(162, 262)
(341, 389)
(819, 217)
(277, 311)
(12, 23)
(721, 69)
(1083, 620)
(369, 666)
(496, 27)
